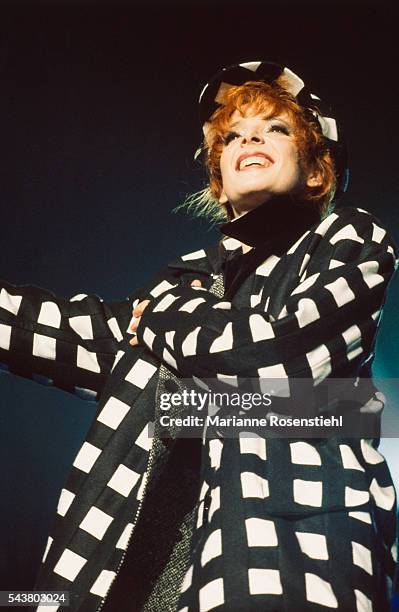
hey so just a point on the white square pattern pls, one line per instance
(188, 578)
(161, 288)
(148, 337)
(314, 545)
(5, 336)
(349, 459)
(145, 440)
(191, 305)
(384, 497)
(361, 516)
(69, 564)
(102, 584)
(320, 591)
(87, 360)
(212, 547)
(43, 346)
(113, 413)
(115, 329)
(224, 342)
(86, 457)
(141, 373)
(123, 480)
(118, 357)
(189, 344)
(254, 486)
(170, 360)
(264, 581)
(10, 302)
(308, 493)
(49, 315)
(215, 502)
(362, 557)
(48, 545)
(260, 328)
(82, 326)
(96, 522)
(260, 532)
(66, 498)
(363, 603)
(211, 595)
(354, 497)
(304, 453)
(124, 539)
(165, 303)
(254, 445)
(215, 452)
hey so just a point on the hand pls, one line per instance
(137, 312)
(139, 309)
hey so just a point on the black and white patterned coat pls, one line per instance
(310, 308)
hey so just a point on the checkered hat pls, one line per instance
(214, 92)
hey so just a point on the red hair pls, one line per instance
(257, 97)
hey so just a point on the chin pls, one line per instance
(252, 201)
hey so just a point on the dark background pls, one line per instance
(98, 126)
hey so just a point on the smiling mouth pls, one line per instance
(253, 161)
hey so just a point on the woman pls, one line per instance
(293, 292)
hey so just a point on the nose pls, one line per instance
(254, 134)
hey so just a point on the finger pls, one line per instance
(135, 323)
(139, 309)
(196, 283)
(134, 341)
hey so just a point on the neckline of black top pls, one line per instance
(277, 222)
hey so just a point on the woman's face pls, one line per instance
(259, 159)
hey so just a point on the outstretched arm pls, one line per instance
(69, 343)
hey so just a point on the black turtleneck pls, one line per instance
(270, 228)
(279, 221)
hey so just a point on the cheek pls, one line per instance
(292, 161)
(224, 168)
(222, 165)
(292, 153)
(223, 161)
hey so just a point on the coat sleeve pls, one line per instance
(71, 344)
(326, 328)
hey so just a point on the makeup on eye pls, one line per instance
(229, 136)
(279, 127)
(272, 125)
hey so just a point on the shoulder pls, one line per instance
(349, 237)
(355, 225)
(348, 216)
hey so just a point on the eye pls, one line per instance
(279, 128)
(229, 137)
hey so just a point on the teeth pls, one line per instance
(259, 160)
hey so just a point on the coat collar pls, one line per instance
(277, 222)
(274, 225)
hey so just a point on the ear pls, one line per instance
(222, 198)
(314, 179)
